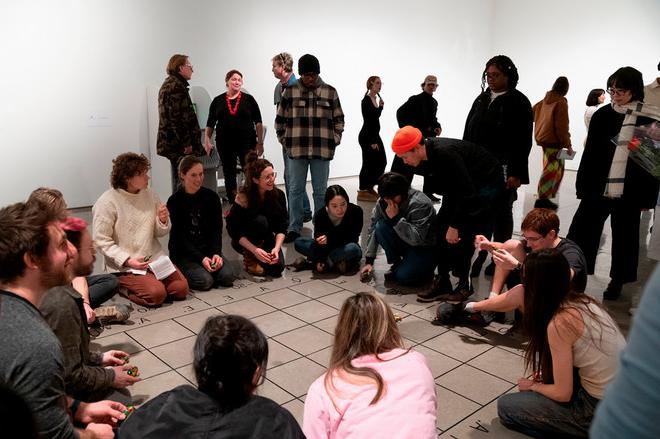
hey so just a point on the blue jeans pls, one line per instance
(202, 280)
(320, 170)
(101, 288)
(306, 207)
(350, 252)
(535, 415)
(411, 264)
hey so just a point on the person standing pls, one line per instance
(595, 100)
(283, 70)
(309, 125)
(236, 118)
(420, 112)
(500, 120)
(373, 152)
(178, 130)
(551, 133)
(610, 183)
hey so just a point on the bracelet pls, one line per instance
(74, 407)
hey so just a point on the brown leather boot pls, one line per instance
(251, 264)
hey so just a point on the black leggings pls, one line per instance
(373, 163)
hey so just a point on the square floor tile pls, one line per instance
(452, 408)
(501, 363)
(274, 392)
(195, 322)
(316, 288)
(336, 300)
(483, 424)
(297, 409)
(120, 341)
(146, 389)
(328, 325)
(322, 357)
(305, 340)
(311, 311)
(177, 353)
(419, 330)
(458, 346)
(188, 373)
(279, 354)
(352, 283)
(249, 308)
(474, 384)
(148, 364)
(159, 333)
(276, 323)
(296, 376)
(283, 298)
(438, 363)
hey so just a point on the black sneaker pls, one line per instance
(613, 290)
(545, 203)
(441, 285)
(291, 236)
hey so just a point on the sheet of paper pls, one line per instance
(162, 267)
(564, 155)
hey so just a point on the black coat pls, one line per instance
(640, 188)
(185, 412)
(504, 128)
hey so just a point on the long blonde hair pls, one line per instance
(366, 326)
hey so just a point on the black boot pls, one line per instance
(613, 290)
(441, 286)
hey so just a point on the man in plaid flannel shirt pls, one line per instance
(309, 125)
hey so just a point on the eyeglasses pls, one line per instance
(431, 84)
(532, 238)
(272, 176)
(616, 91)
(494, 75)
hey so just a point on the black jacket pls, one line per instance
(185, 412)
(640, 188)
(419, 111)
(504, 128)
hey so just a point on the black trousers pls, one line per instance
(230, 151)
(374, 162)
(260, 235)
(587, 228)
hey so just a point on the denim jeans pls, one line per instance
(411, 264)
(350, 252)
(535, 415)
(101, 288)
(202, 280)
(306, 207)
(298, 176)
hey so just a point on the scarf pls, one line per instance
(617, 174)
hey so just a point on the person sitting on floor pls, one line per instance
(196, 237)
(95, 289)
(257, 221)
(128, 220)
(374, 386)
(88, 375)
(337, 229)
(573, 353)
(402, 223)
(230, 359)
(540, 230)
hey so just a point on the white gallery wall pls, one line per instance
(77, 71)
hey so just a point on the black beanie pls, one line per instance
(308, 64)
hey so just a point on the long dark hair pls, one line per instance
(227, 352)
(333, 191)
(547, 283)
(254, 166)
(592, 98)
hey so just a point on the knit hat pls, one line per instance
(406, 139)
(308, 64)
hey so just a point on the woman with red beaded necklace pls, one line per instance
(237, 118)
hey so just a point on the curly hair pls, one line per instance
(125, 166)
(504, 65)
(284, 59)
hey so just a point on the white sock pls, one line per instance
(492, 294)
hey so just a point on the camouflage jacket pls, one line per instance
(177, 125)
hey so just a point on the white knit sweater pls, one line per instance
(127, 225)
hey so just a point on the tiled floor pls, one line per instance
(472, 366)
